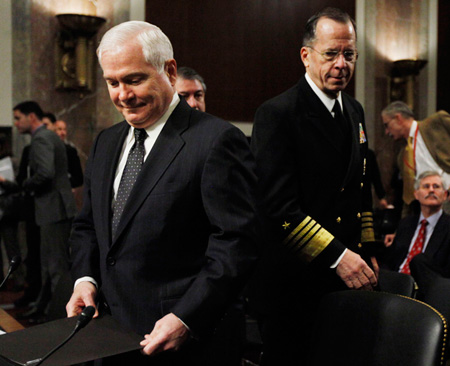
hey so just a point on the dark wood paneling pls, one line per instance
(443, 71)
(247, 51)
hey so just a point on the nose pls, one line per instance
(192, 102)
(340, 61)
(125, 93)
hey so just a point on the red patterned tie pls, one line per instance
(417, 246)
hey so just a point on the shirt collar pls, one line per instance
(39, 128)
(433, 219)
(162, 121)
(412, 130)
(326, 100)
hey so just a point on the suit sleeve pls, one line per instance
(42, 163)
(74, 165)
(227, 189)
(279, 196)
(83, 239)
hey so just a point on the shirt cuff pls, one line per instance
(335, 264)
(86, 279)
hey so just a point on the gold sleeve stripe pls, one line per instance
(367, 234)
(308, 239)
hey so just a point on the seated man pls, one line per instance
(424, 237)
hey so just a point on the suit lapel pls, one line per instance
(318, 115)
(438, 236)
(166, 148)
(355, 154)
(113, 150)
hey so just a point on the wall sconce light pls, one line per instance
(403, 75)
(75, 55)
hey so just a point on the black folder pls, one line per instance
(102, 337)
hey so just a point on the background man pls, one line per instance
(73, 160)
(427, 233)
(49, 120)
(310, 146)
(427, 148)
(170, 258)
(192, 87)
(53, 200)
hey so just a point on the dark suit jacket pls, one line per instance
(49, 182)
(74, 166)
(314, 198)
(186, 239)
(438, 248)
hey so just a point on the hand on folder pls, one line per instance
(83, 295)
(169, 333)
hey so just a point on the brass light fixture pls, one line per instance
(75, 56)
(403, 74)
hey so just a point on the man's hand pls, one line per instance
(169, 333)
(355, 272)
(388, 240)
(83, 295)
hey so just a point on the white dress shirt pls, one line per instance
(423, 159)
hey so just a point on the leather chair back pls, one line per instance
(358, 328)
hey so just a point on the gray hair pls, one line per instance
(156, 47)
(338, 15)
(398, 107)
(428, 173)
(188, 73)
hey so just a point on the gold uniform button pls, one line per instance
(338, 220)
(362, 185)
(342, 189)
(359, 245)
(358, 215)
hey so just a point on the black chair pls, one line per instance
(358, 328)
(396, 283)
(438, 296)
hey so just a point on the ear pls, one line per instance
(416, 194)
(170, 69)
(304, 55)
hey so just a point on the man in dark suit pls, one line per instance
(427, 254)
(54, 205)
(313, 191)
(73, 160)
(178, 255)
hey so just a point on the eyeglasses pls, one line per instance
(386, 124)
(330, 55)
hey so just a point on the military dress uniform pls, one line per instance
(314, 202)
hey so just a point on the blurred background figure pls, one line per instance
(192, 87)
(9, 216)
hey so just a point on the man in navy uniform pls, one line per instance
(310, 145)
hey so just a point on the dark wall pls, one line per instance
(247, 51)
(443, 71)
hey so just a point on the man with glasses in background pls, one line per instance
(310, 145)
(427, 148)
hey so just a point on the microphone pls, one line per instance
(83, 319)
(13, 265)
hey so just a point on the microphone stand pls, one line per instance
(13, 264)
